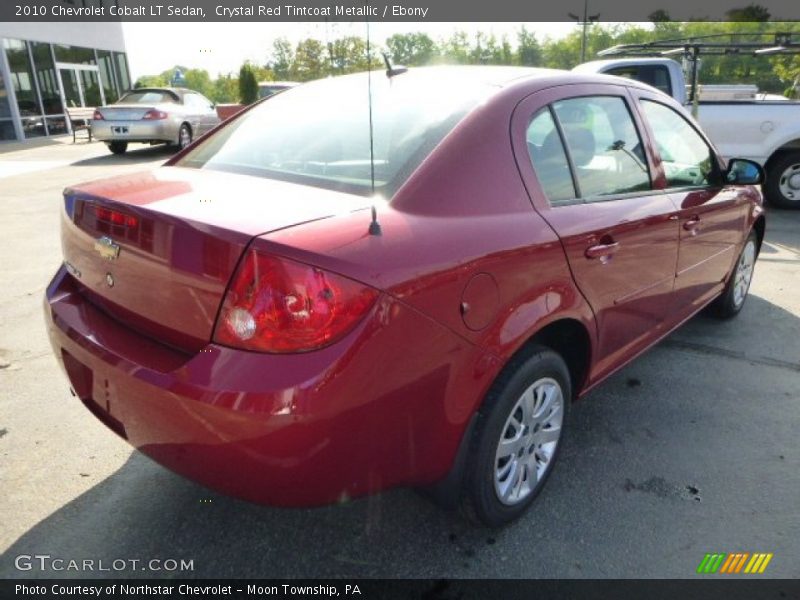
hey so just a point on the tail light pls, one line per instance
(278, 305)
(97, 116)
(115, 217)
(154, 115)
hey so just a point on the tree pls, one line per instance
(456, 49)
(199, 81)
(411, 49)
(146, 81)
(529, 52)
(310, 61)
(226, 89)
(248, 86)
(348, 55)
(282, 59)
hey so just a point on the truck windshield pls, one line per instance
(318, 134)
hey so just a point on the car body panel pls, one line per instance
(471, 263)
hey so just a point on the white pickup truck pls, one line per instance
(764, 130)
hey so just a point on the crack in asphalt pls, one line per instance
(735, 354)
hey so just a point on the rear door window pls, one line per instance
(549, 160)
(604, 146)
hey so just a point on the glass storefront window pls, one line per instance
(74, 54)
(91, 88)
(5, 107)
(22, 79)
(7, 130)
(46, 75)
(106, 63)
(122, 72)
(33, 127)
(56, 125)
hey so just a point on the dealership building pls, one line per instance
(46, 67)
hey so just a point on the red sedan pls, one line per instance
(357, 286)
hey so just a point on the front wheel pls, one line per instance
(732, 299)
(517, 438)
(782, 186)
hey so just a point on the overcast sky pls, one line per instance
(222, 47)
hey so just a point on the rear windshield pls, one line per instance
(147, 97)
(269, 90)
(318, 133)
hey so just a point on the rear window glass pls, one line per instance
(147, 97)
(318, 133)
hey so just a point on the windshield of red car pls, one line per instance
(318, 133)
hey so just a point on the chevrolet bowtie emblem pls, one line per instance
(106, 248)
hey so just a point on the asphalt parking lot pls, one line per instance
(691, 449)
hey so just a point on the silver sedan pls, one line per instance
(154, 115)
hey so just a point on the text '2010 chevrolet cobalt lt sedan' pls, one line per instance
(310, 305)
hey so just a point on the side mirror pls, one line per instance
(744, 172)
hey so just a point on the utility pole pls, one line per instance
(585, 22)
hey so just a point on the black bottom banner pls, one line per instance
(496, 589)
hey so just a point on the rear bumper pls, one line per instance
(291, 430)
(137, 131)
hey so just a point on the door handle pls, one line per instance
(602, 251)
(692, 224)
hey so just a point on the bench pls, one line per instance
(79, 117)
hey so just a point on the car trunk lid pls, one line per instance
(156, 250)
(125, 112)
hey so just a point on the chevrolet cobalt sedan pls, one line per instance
(310, 304)
(154, 115)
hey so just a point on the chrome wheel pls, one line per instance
(528, 441)
(789, 182)
(744, 273)
(184, 137)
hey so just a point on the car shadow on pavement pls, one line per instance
(636, 492)
(142, 153)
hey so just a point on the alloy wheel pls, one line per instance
(744, 272)
(528, 441)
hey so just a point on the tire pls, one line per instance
(733, 297)
(184, 136)
(118, 147)
(535, 379)
(782, 186)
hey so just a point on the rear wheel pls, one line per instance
(732, 299)
(118, 147)
(783, 181)
(517, 438)
(184, 136)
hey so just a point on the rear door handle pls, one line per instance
(692, 224)
(602, 250)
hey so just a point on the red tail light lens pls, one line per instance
(97, 116)
(154, 115)
(115, 217)
(278, 305)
